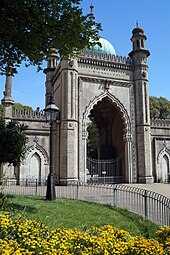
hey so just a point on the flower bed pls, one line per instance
(22, 236)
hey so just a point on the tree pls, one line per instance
(92, 141)
(13, 142)
(30, 28)
(159, 108)
(21, 107)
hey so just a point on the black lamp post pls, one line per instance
(51, 113)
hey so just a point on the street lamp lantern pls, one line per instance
(51, 111)
(51, 114)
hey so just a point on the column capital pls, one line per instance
(127, 137)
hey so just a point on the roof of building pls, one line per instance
(106, 47)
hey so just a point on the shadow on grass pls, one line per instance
(2, 195)
(16, 206)
(19, 208)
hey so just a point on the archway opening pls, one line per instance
(108, 163)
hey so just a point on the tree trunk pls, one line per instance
(1, 173)
(17, 174)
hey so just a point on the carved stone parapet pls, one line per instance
(90, 54)
(28, 114)
(101, 63)
(163, 123)
(111, 70)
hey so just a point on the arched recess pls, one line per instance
(114, 131)
(36, 164)
(163, 165)
(34, 169)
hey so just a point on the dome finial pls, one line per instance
(91, 12)
(137, 24)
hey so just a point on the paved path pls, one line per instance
(160, 188)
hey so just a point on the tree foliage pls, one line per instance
(13, 142)
(159, 108)
(30, 28)
(92, 141)
(21, 107)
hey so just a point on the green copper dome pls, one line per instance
(106, 47)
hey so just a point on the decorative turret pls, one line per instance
(53, 59)
(52, 63)
(138, 42)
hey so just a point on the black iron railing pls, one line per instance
(148, 204)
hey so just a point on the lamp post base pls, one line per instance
(50, 195)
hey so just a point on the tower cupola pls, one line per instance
(138, 41)
(52, 60)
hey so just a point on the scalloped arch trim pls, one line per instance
(164, 152)
(106, 94)
(39, 150)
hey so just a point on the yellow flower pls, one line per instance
(22, 236)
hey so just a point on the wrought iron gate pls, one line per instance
(105, 171)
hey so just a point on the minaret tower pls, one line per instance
(7, 101)
(139, 56)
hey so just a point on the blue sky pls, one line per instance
(118, 18)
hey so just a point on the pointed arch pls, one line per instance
(164, 151)
(163, 161)
(36, 163)
(35, 166)
(125, 145)
(118, 105)
(40, 150)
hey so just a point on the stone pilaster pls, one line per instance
(69, 121)
(128, 157)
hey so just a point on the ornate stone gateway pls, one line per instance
(113, 92)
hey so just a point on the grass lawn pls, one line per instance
(78, 214)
